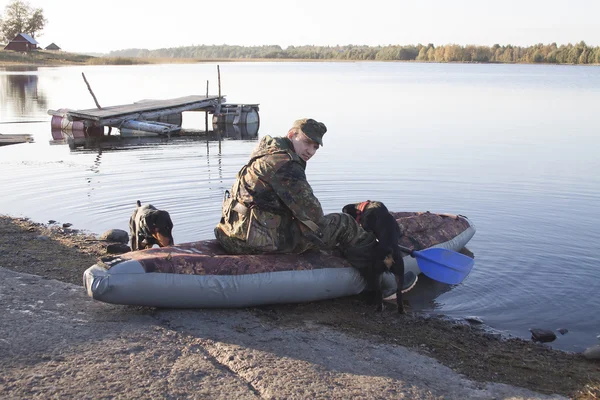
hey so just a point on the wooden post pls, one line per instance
(206, 112)
(219, 80)
(92, 93)
(219, 76)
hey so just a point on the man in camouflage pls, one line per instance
(272, 207)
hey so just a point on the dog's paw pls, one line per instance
(401, 307)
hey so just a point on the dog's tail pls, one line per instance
(139, 203)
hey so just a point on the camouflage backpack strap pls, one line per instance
(230, 198)
(239, 207)
(316, 234)
(312, 226)
(236, 186)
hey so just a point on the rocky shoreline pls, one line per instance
(55, 251)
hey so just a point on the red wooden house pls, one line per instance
(22, 42)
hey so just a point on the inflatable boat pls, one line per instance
(201, 275)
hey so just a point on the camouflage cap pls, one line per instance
(311, 128)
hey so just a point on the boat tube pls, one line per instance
(201, 275)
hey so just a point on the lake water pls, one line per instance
(513, 147)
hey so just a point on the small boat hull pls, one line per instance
(202, 275)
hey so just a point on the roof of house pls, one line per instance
(52, 46)
(26, 37)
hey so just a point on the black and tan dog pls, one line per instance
(374, 217)
(150, 226)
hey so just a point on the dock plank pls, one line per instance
(14, 139)
(145, 106)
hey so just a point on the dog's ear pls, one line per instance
(151, 219)
(164, 219)
(159, 219)
(350, 209)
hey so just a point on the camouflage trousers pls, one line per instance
(337, 230)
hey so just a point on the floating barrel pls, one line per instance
(232, 114)
(73, 129)
(245, 131)
(57, 134)
(69, 128)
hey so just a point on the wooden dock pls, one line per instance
(150, 117)
(5, 140)
(115, 116)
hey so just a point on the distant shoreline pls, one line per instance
(540, 53)
(45, 58)
(65, 64)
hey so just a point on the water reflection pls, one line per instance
(20, 68)
(112, 143)
(238, 132)
(81, 140)
(425, 297)
(20, 92)
(95, 168)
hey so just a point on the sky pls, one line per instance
(103, 26)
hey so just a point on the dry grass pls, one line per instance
(42, 57)
(116, 61)
(45, 57)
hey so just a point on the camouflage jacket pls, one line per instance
(276, 200)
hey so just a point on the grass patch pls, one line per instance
(46, 57)
(42, 57)
(116, 61)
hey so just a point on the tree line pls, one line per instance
(20, 17)
(579, 53)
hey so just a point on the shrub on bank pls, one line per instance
(116, 61)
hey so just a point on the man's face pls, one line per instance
(304, 146)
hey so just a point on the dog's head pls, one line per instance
(370, 215)
(160, 226)
(351, 209)
(375, 217)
